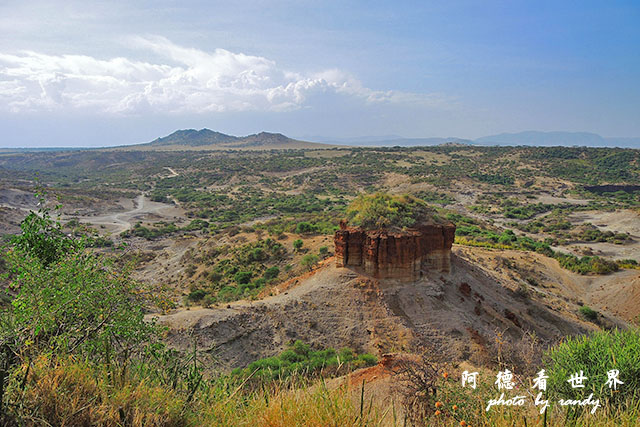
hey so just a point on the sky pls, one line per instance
(99, 73)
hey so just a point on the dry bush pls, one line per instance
(417, 384)
(523, 355)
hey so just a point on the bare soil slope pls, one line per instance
(334, 307)
(461, 313)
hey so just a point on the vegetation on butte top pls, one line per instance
(390, 212)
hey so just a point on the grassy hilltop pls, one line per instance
(382, 210)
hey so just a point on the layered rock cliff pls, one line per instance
(402, 255)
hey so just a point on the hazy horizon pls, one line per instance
(503, 139)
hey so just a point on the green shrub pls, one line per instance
(309, 260)
(214, 276)
(42, 236)
(589, 313)
(242, 277)
(209, 300)
(258, 254)
(160, 229)
(301, 348)
(299, 359)
(197, 224)
(99, 242)
(381, 210)
(586, 264)
(306, 227)
(197, 295)
(368, 359)
(495, 179)
(507, 236)
(271, 273)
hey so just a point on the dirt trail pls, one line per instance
(122, 221)
(173, 172)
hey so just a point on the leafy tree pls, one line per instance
(297, 245)
(68, 301)
(42, 236)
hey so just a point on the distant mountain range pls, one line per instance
(557, 138)
(533, 138)
(206, 139)
(391, 141)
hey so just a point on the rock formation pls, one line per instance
(402, 255)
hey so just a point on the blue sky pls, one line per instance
(91, 73)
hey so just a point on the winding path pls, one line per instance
(123, 221)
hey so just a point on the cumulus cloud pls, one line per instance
(185, 80)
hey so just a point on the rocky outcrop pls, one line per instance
(402, 255)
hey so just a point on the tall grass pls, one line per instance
(595, 355)
(71, 392)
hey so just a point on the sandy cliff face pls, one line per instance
(395, 255)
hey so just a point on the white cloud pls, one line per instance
(188, 81)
